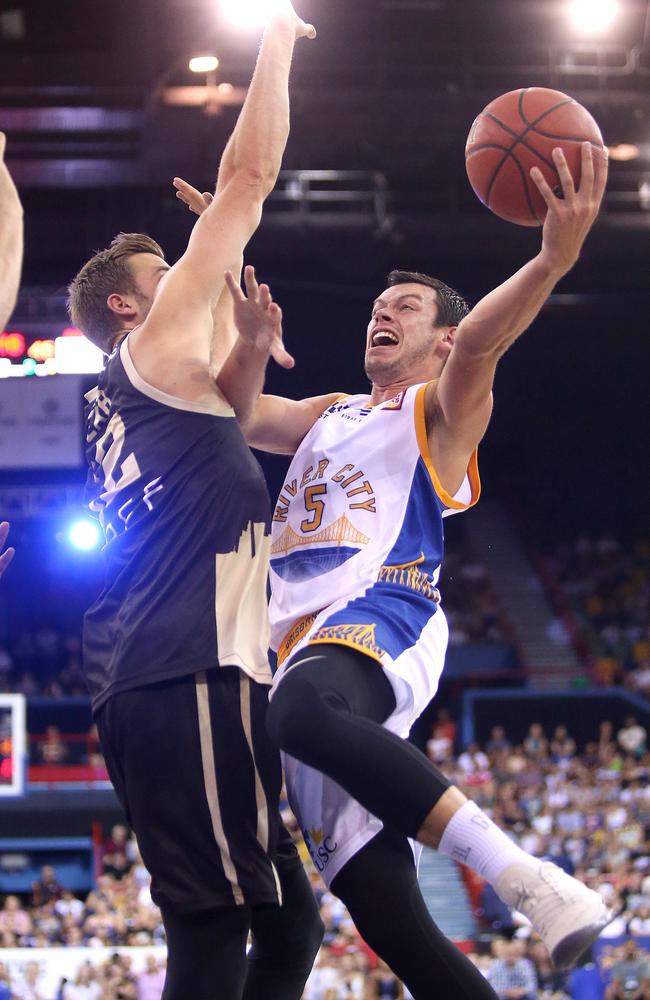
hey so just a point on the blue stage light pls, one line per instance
(84, 535)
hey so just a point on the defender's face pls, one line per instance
(148, 270)
(401, 335)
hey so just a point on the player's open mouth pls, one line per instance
(384, 338)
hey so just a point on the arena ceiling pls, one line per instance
(384, 97)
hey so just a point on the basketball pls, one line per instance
(517, 131)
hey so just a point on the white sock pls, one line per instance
(472, 838)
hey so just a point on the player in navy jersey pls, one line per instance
(357, 546)
(175, 646)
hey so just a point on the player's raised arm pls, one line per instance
(180, 324)
(11, 239)
(271, 423)
(459, 405)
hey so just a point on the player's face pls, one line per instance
(401, 338)
(147, 270)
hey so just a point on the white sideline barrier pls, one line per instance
(57, 963)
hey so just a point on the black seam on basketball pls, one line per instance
(520, 139)
(523, 181)
(520, 108)
(507, 153)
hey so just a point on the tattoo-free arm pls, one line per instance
(460, 403)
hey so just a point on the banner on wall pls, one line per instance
(41, 423)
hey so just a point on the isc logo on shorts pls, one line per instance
(320, 847)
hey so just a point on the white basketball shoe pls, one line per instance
(567, 915)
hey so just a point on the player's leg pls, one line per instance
(403, 933)
(327, 712)
(286, 939)
(206, 953)
(179, 758)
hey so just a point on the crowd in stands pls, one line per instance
(470, 600)
(604, 587)
(587, 810)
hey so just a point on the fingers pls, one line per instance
(252, 288)
(7, 556)
(191, 196)
(566, 178)
(281, 356)
(586, 170)
(307, 30)
(3, 143)
(233, 287)
(601, 165)
(4, 531)
(543, 186)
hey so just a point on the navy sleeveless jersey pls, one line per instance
(185, 512)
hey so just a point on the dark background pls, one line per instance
(390, 88)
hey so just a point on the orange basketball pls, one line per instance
(518, 131)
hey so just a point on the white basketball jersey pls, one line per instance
(360, 517)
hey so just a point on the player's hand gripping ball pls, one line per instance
(518, 131)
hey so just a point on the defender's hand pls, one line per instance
(570, 218)
(7, 556)
(285, 11)
(258, 318)
(192, 197)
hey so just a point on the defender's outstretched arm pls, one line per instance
(173, 347)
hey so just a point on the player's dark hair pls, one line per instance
(452, 307)
(107, 272)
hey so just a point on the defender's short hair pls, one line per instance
(108, 271)
(452, 307)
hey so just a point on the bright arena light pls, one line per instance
(84, 535)
(592, 16)
(204, 64)
(249, 13)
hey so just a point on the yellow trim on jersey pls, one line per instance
(346, 642)
(294, 635)
(423, 445)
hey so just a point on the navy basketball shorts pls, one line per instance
(200, 782)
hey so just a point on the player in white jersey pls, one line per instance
(356, 615)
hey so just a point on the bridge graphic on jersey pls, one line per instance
(297, 557)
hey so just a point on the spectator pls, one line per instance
(69, 905)
(630, 976)
(151, 980)
(498, 741)
(632, 737)
(85, 986)
(31, 985)
(513, 977)
(440, 746)
(47, 887)
(5, 983)
(536, 744)
(118, 856)
(52, 748)
(563, 747)
(14, 918)
(551, 982)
